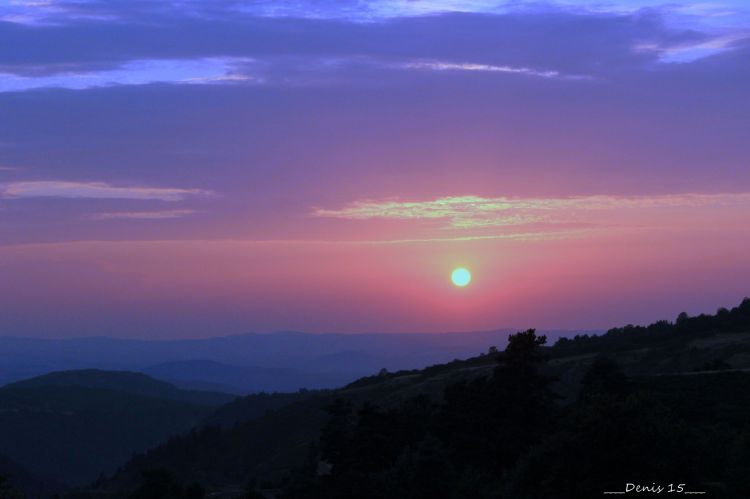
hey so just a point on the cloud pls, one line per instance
(56, 12)
(485, 68)
(143, 215)
(235, 70)
(460, 211)
(414, 106)
(693, 51)
(50, 12)
(367, 10)
(141, 72)
(464, 212)
(93, 190)
(201, 41)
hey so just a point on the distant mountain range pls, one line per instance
(212, 375)
(284, 361)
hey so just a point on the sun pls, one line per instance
(461, 277)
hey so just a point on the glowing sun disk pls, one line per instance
(461, 277)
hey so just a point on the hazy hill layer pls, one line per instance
(243, 379)
(250, 362)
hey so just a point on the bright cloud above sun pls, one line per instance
(467, 212)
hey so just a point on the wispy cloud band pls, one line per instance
(476, 211)
(486, 68)
(236, 71)
(94, 190)
(143, 215)
(137, 72)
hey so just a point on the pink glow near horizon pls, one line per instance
(590, 279)
(298, 168)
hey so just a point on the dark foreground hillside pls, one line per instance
(124, 381)
(270, 446)
(14, 478)
(71, 427)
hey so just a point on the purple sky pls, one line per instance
(196, 167)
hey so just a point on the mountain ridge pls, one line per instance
(310, 354)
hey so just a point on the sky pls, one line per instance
(197, 168)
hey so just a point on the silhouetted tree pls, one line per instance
(605, 444)
(160, 484)
(4, 486)
(251, 491)
(604, 378)
(194, 491)
(715, 365)
(488, 424)
(7, 491)
(335, 434)
(737, 473)
(523, 350)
